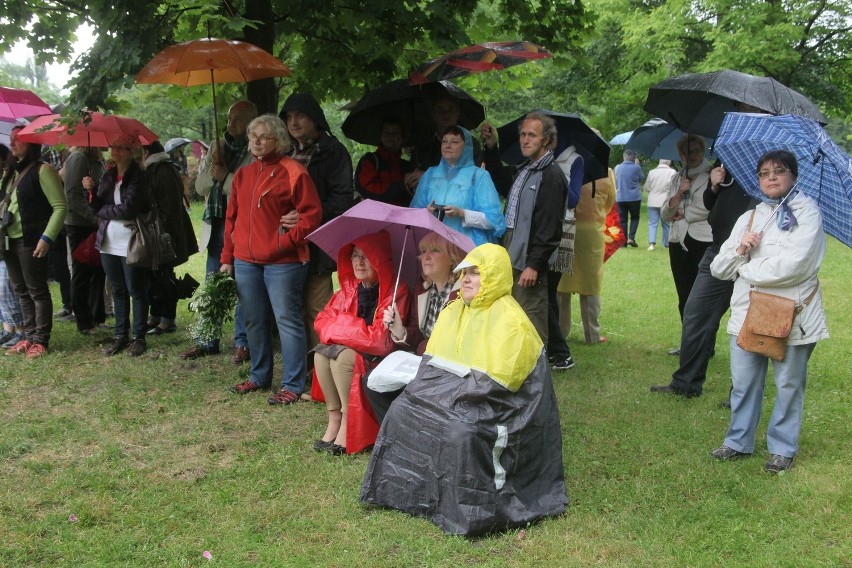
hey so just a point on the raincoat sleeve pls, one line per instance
(76, 168)
(338, 327)
(487, 211)
(727, 263)
(421, 196)
(307, 203)
(667, 212)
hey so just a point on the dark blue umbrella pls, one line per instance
(825, 170)
(657, 139)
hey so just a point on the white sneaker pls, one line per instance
(651, 246)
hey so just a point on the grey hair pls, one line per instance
(277, 128)
(548, 126)
(689, 141)
(629, 155)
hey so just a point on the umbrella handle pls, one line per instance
(399, 271)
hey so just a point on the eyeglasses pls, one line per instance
(358, 258)
(777, 171)
(263, 139)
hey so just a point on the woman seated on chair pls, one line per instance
(438, 259)
(353, 337)
(474, 441)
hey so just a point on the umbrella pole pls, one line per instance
(215, 119)
(399, 271)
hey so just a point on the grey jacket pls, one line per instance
(77, 166)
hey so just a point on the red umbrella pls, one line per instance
(477, 58)
(94, 129)
(209, 61)
(20, 103)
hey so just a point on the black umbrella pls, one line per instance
(410, 104)
(571, 130)
(697, 102)
(658, 139)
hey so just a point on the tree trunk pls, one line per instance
(263, 92)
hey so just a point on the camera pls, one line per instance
(6, 219)
(440, 211)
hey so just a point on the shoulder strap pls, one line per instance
(15, 183)
(807, 301)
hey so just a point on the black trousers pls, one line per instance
(684, 265)
(87, 284)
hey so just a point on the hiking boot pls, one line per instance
(20, 348)
(283, 397)
(137, 347)
(36, 351)
(777, 464)
(241, 355)
(245, 387)
(727, 454)
(562, 364)
(118, 345)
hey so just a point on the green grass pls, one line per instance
(158, 462)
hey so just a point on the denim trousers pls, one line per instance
(214, 253)
(708, 301)
(10, 306)
(655, 220)
(129, 286)
(28, 276)
(749, 373)
(275, 289)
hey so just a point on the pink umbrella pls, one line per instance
(95, 129)
(20, 103)
(406, 227)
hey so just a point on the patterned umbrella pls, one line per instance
(697, 102)
(20, 103)
(477, 58)
(825, 170)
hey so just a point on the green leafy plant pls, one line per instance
(214, 303)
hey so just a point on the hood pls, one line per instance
(491, 334)
(155, 158)
(377, 249)
(495, 273)
(306, 103)
(466, 160)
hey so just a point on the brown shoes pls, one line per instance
(241, 355)
(198, 351)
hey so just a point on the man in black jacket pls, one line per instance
(535, 194)
(330, 166)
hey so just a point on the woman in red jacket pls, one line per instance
(354, 338)
(269, 259)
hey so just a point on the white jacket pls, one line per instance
(786, 263)
(694, 222)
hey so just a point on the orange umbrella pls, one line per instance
(211, 61)
(489, 56)
(94, 129)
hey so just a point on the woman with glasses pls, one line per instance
(34, 216)
(690, 234)
(354, 337)
(122, 195)
(268, 257)
(777, 248)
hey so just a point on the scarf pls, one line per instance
(785, 218)
(234, 153)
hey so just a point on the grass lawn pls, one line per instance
(151, 461)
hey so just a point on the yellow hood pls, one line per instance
(492, 334)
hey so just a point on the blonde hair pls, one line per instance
(690, 141)
(276, 128)
(455, 254)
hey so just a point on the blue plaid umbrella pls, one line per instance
(657, 139)
(825, 170)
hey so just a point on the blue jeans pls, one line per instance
(749, 374)
(127, 282)
(214, 253)
(275, 288)
(654, 219)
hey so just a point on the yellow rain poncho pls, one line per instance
(492, 334)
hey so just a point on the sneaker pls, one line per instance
(727, 454)
(137, 347)
(777, 464)
(651, 246)
(118, 345)
(283, 397)
(36, 351)
(7, 336)
(632, 243)
(562, 364)
(675, 352)
(13, 340)
(245, 387)
(157, 330)
(19, 348)
(64, 312)
(199, 351)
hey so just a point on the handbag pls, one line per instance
(86, 253)
(149, 246)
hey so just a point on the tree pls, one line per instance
(337, 49)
